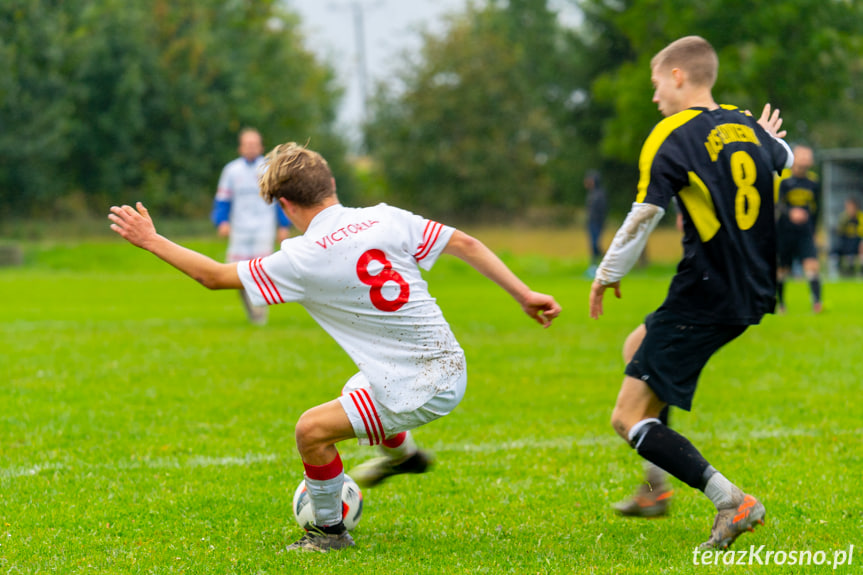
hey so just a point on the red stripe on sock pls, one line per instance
(323, 472)
(395, 440)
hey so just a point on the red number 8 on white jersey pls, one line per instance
(377, 281)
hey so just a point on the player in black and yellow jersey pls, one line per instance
(796, 208)
(720, 163)
(848, 250)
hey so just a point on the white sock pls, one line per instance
(326, 498)
(402, 451)
(721, 491)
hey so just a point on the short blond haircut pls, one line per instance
(297, 174)
(692, 54)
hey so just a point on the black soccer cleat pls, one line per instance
(318, 541)
(375, 471)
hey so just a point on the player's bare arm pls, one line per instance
(539, 306)
(136, 227)
(628, 243)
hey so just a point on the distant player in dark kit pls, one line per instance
(597, 208)
(720, 163)
(797, 209)
(848, 250)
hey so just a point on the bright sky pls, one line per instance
(389, 26)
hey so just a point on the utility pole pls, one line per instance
(358, 14)
(362, 68)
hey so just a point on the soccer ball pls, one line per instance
(352, 504)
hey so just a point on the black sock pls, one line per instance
(672, 452)
(336, 529)
(780, 292)
(815, 287)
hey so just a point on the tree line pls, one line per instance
(498, 116)
(102, 101)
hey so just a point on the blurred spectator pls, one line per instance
(597, 210)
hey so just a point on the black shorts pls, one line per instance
(794, 243)
(673, 353)
(848, 246)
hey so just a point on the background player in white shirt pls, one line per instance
(356, 272)
(240, 214)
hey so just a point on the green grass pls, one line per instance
(145, 427)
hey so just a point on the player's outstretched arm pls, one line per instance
(539, 306)
(136, 226)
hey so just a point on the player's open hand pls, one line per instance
(597, 290)
(771, 122)
(541, 307)
(133, 224)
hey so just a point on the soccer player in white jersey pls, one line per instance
(240, 214)
(356, 272)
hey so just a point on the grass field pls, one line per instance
(145, 427)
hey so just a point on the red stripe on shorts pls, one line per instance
(354, 398)
(374, 413)
(371, 421)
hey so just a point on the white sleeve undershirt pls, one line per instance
(629, 242)
(789, 161)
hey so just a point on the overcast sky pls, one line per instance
(390, 27)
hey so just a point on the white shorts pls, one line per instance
(245, 246)
(372, 422)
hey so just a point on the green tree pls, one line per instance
(114, 100)
(471, 128)
(800, 56)
(36, 103)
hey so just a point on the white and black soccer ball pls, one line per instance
(352, 504)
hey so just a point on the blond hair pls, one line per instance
(297, 174)
(692, 54)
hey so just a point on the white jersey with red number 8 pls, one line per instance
(356, 271)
